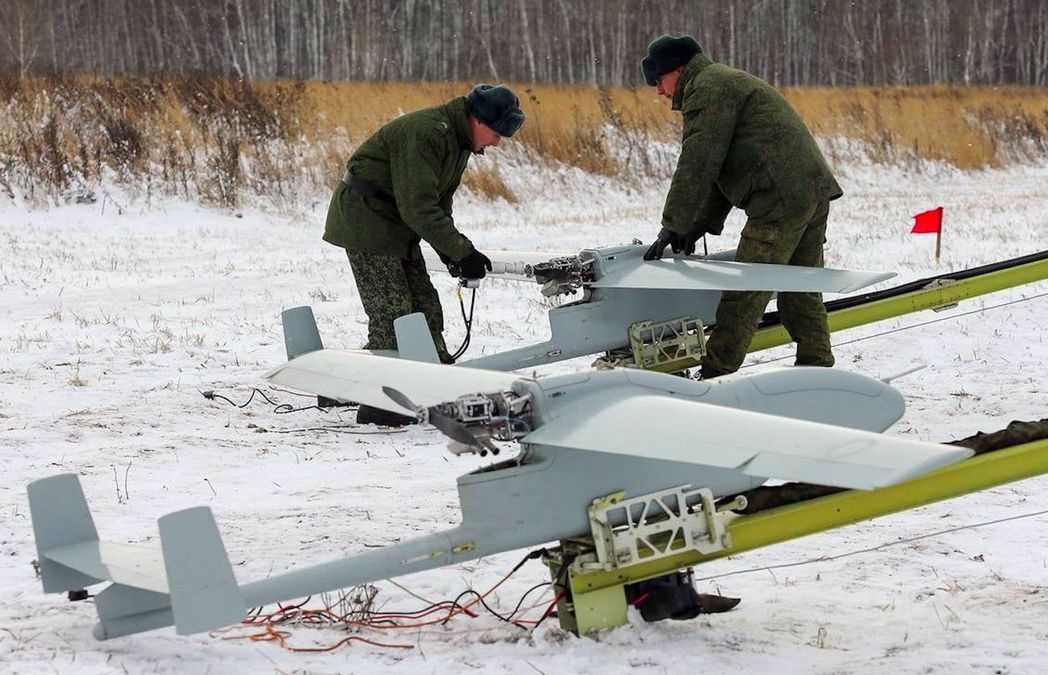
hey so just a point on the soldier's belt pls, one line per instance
(367, 188)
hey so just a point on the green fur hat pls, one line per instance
(665, 53)
(497, 107)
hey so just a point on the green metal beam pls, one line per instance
(825, 513)
(934, 297)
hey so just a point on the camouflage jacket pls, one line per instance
(418, 159)
(743, 146)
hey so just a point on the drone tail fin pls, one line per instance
(301, 335)
(188, 583)
(414, 341)
(203, 590)
(61, 519)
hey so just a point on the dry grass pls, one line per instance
(971, 128)
(218, 141)
(487, 181)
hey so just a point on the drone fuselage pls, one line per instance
(598, 322)
(542, 494)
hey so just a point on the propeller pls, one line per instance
(450, 427)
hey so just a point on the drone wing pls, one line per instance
(767, 446)
(360, 377)
(723, 275)
(512, 265)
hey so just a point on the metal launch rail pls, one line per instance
(595, 599)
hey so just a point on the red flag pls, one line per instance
(927, 222)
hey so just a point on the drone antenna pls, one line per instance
(889, 378)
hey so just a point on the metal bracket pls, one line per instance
(656, 525)
(939, 283)
(629, 531)
(668, 345)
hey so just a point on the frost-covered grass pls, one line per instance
(112, 323)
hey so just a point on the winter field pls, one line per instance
(116, 315)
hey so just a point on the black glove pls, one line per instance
(473, 265)
(690, 239)
(666, 237)
(453, 267)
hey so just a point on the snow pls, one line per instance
(113, 321)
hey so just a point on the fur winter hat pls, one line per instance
(665, 53)
(497, 107)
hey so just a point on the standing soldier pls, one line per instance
(744, 146)
(398, 190)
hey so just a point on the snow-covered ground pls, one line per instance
(112, 323)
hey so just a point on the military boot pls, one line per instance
(325, 402)
(383, 418)
(708, 372)
(673, 596)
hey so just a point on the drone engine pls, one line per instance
(563, 276)
(485, 418)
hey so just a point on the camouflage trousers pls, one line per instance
(790, 241)
(391, 287)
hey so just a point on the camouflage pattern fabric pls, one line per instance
(743, 145)
(793, 241)
(391, 287)
(1016, 433)
(418, 159)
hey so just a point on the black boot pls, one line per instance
(707, 372)
(325, 402)
(674, 597)
(383, 418)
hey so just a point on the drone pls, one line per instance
(655, 310)
(650, 314)
(637, 472)
(635, 459)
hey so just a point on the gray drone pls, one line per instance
(628, 457)
(627, 301)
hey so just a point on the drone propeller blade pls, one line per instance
(767, 446)
(362, 377)
(724, 275)
(399, 398)
(451, 428)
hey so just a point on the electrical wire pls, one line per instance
(361, 617)
(871, 549)
(468, 321)
(902, 328)
(278, 408)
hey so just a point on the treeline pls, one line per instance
(787, 42)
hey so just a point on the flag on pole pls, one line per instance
(927, 222)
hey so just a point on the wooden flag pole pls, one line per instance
(938, 244)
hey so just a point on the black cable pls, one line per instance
(562, 581)
(527, 593)
(486, 606)
(466, 320)
(532, 555)
(278, 408)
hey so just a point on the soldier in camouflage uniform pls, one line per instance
(744, 146)
(397, 191)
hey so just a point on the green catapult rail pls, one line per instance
(939, 292)
(935, 293)
(598, 598)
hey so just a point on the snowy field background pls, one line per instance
(115, 316)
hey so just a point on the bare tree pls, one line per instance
(22, 24)
(794, 42)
